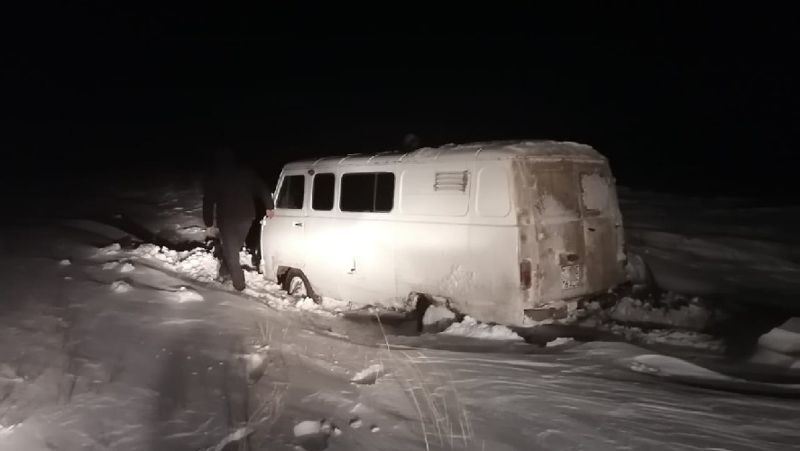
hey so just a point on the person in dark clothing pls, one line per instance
(231, 194)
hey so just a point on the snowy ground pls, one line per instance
(115, 335)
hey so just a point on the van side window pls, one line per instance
(367, 192)
(322, 193)
(292, 192)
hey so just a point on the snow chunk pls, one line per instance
(65, 262)
(471, 328)
(120, 286)
(126, 267)
(307, 427)
(437, 313)
(559, 342)
(369, 375)
(186, 294)
(356, 423)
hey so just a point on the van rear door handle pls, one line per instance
(297, 224)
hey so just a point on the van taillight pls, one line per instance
(525, 273)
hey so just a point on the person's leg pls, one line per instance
(252, 243)
(232, 236)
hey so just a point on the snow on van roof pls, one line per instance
(490, 150)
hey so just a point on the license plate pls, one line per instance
(571, 276)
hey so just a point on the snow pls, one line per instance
(126, 267)
(784, 339)
(198, 263)
(81, 368)
(692, 316)
(560, 341)
(121, 286)
(65, 262)
(109, 265)
(469, 327)
(369, 375)
(185, 294)
(596, 191)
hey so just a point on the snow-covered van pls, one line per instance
(504, 231)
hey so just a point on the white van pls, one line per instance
(503, 230)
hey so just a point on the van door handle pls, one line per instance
(297, 224)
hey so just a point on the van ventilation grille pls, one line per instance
(451, 181)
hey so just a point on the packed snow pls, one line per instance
(92, 359)
(470, 327)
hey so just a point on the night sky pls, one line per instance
(700, 101)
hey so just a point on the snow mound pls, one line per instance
(692, 316)
(107, 266)
(471, 328)
(120, 286)
(560, 341)
(199, 263)
(111, 249)
(186, 294)
(369, 375)
(65, 262)
(126, 267)
(784, 339)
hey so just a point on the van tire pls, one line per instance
(295, 282)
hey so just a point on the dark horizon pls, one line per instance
(696, 102)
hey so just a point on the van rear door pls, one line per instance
(573, 228)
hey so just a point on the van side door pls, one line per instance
(287, 228)
(366, 202)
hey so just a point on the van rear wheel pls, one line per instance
(297, 285)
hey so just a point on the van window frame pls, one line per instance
(341, 186)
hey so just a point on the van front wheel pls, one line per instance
(296, 285)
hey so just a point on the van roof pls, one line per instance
(491, 150)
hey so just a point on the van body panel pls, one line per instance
(495, 228)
